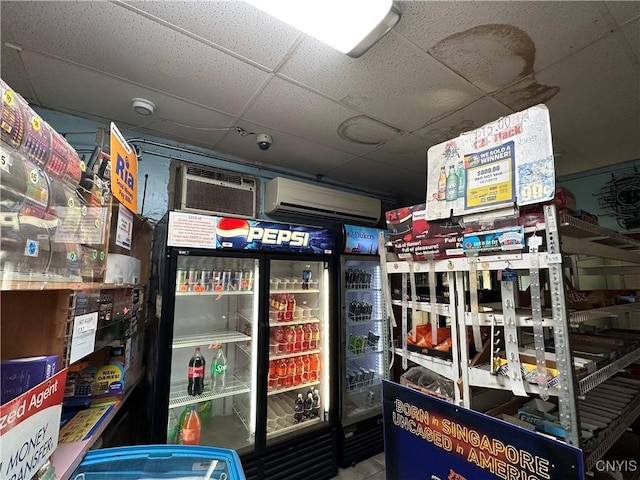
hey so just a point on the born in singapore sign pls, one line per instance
(431, 439)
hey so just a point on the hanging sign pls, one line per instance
(447, 442)
(29, 427)
(191, 230)
(506, 162)
(124, 170)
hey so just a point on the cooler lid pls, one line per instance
(155, 462)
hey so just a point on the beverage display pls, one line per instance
(196, 373)
(218, 371)
(191, 428)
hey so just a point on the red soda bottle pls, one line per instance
(299, 337)
(196, 373)
(273, 375)
(291, 371)
(290, 338)
(277, 335)
(308, 335)
(306, 369)
(300, 375)
(190, 432)
(282, 307)
(291, 306)
(315, 336)
(314, 367)
(282, 373)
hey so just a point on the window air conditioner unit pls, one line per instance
(215, 191)
(288, 197)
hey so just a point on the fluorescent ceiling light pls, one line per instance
(350, 26)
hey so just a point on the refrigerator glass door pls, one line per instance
(298, 383)
(216, 305)
(364, 338)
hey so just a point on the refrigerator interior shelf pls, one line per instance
(439, 365)
(228, 336)
(294, 290)
(178, 396)
(275, 323)
(242, 413)
(295, 387)
(363, 322)
(245, 348)
(292, 427)
(366, 288)
(214, 293)
(289, 355)
(359, 387)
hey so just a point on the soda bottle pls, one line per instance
(173, 427)
(299, 337)
(282, 373)
(218, 371)
(306, 277)
(290, 372)
(196, 373)
(190, 433)
(279, 338)
(298, 409)
(273, 375)
(315, 406)
(315, 336)
(282, 307)
(181, 420)
(299, 376)
(290, 338)
(308, 336)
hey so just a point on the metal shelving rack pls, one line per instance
(567, 242)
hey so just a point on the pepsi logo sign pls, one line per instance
(238, 233)
(273, 236)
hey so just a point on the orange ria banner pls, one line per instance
(124, 170)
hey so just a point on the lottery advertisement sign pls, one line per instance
(443, 441)
(506, 162)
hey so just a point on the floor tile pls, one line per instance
(380, 458)
(381, 475)
(368, 467)
(350, 474)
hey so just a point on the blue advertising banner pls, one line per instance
(241, 234)
(361, 240)
(428, 438)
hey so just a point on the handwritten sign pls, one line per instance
(124, 170)
(191, 230)
(84, 335)
(29, 428)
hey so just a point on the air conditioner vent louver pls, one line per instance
(288, 197)
(214, 191)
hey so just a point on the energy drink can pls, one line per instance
(247, 281)
(191, 278)
(181, 280)
(236, 282)
(216, 280)
(226, 280)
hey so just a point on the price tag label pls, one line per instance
(554, 258)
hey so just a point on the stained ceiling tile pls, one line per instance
(407, 152)
(14, 73)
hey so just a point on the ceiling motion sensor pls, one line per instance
(264, 141)
(143, 106)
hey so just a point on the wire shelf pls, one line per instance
(226, 336)
(178, 396)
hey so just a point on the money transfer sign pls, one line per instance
(124, 170)
(506, 162)
(443, 441)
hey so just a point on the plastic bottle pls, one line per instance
(218, 371)
(315, 406)
(190, 432)
(308, 336)
(306, 277)
(181, 420)
(281, 370)
(196, 373)
(173, 427)
(290, 338)
(297, 378)
(290, 307)
(278, 338)
(282, 307)
(314, 367)
(298, 410)
(299, 336)
(315, 336)
(273, 374)
(291, 372)
(306, 371)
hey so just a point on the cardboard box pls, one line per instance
(22, 374)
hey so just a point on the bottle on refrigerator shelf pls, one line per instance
(314, 367)
(190, 432)
(315, 336)
(273, 374)
(306, 370)
(290, 372)
(290, 339)
(173, 427)
(282, 373)
(299, 376)
(181, 420)
(308, 404)
(218, 371)
(290, 307)
(308, 337)
(315, 406)
(196, 373)
(278, 338)
(306, 277)
(298, 410)
(299, 337)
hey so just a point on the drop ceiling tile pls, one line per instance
(139, 50)
(623, 11)
(394, 82)
(407, 152)
(74, 89)
(287, 152)
(379, 177)
(597, 87)
(494, 43)
(235, 26)
(631, 31)
(290, 108)
(468, 118)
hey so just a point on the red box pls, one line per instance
(565, 199)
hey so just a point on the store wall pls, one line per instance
(612, 193)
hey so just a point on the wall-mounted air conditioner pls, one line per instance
(215, 191)
(289, 197)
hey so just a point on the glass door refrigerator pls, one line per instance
(363, 361)
(257, 305)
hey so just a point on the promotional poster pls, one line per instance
(241, 234)
(446, 442)
(503, 163)
(361, 240)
